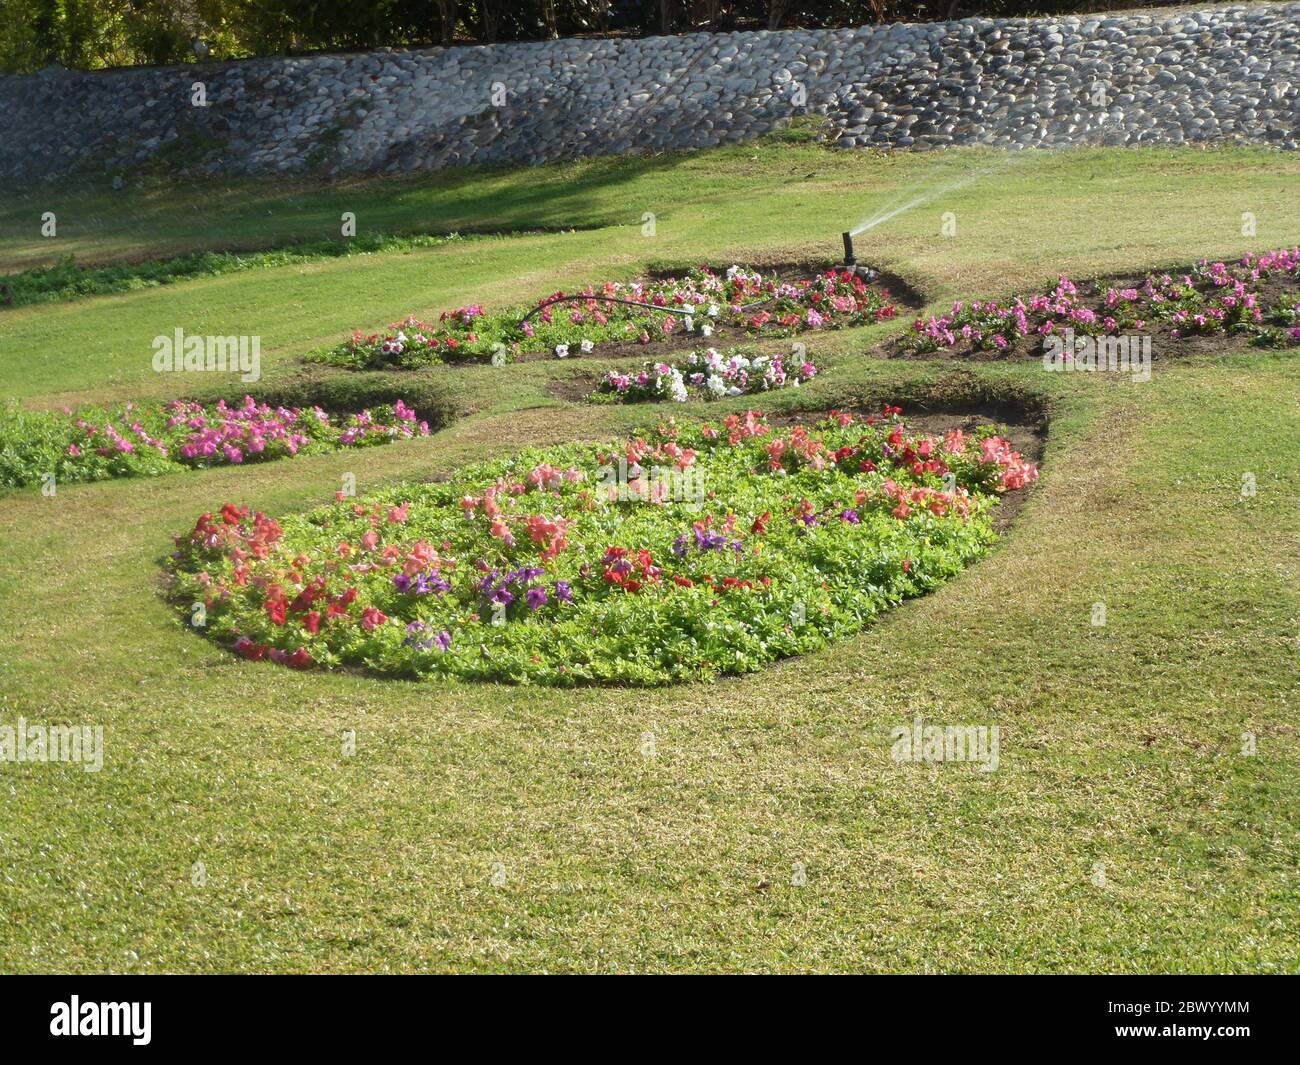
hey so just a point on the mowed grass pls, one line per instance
(1020, 218)
(493, 828)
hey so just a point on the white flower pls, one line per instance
(706, 330)
(716, 385)
(690, 323)
(561, 351)
(586, 346)
(734, 391)
(714, 310)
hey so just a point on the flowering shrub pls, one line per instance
(545, 567)
(702, 304)
(94, 443)
(1212, 298)
(711, 374)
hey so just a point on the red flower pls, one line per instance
(250, 650)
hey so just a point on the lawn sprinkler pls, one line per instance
(851, 263)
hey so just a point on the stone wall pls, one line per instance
(1213, 74)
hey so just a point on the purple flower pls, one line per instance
(443, 640)
(851, 516)
(414, 640)
(426, 583)
(402, 583)
(708, 541)
(563, 592)
(536, 597)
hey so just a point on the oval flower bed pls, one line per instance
(685, 553)
(709, 374)
(93, 443)
(701, 305)
(1256, 296)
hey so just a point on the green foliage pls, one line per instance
(98, 33)
(701, 303)
(98, 443)
(580, 564)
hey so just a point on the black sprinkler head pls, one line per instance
(849, 260)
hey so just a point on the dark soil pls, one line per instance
(574, 389)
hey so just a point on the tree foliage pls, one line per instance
(105, 33)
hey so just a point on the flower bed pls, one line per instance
(708, 374)
(1213, 298)
(701, 305)
(93, 443)
(685, 553)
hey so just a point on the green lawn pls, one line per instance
(497, 828)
